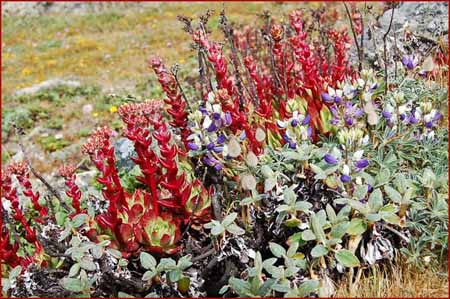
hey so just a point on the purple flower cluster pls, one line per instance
(345, 113)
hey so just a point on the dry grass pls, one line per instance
(399, 281)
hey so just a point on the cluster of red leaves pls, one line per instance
(8, 251)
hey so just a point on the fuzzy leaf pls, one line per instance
(393, 194)
(147, 261)
(234, 148)
(318, 251)
(74, 270)
(72, 284)
(375, 200)
(229, 219)
(357, 227)
(346, 258)
(235, 230)
(277, 250)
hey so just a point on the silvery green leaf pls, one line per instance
(338, 230)
(373, 217)
(367, 178)
(97, 251)
(218, 230)
(282, 208)
(289, 196)
(393, 194)
(235, 230)
(282, 288)
(87, 264)
(303, 206)
(322, 217)
(360, 191)
(266, 287)
(124, 295)
(241, 287)
(14, 273)
(6, 284)
(79, 220)
(307, 287)
(269, 183)
(149, 275)
(72, 284)
(346, 258)
(175, 275)
(147, 261)
(382, 177)
(357, 227)
(224, 289)
(277, 250)
(267, 171)
(388, 209)
(268, 264)
(64, 234)
(308, 235)
(74, 270)
(114, 252)
(229, 219)
(166, 264)
(320, 174)
(123, 262)
(317, 229)
(375, 200)
(184, 262)
(292, 250)
(331, 213)
(319, 250)
(391, 218)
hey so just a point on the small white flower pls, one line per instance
(358, 181)
(346, 170)
(281, 124)
(358, 155)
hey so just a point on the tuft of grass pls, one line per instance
(399, 280)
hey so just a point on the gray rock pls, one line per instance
(124, 150)
(52, 83)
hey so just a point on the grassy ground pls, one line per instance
(398, 281)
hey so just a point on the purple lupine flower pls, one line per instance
(408, 61)
(326, 97)
(243, 136)
(228, 119)
(349, 121)
(292, 145)
(309, 132)
(208, 161)
(218, 167)
(285, 137)
(338, 100)
(386, 114)
(306, 120)
(429, 124)
(210, 146)
(422, 74)
(221, 139)
(374, 86)
(358, 112)
(369, 188)
(212, 127)
(294, 123)
(437, 117)
(216, 115)
(193, 146)
(412, 119)
(218, 149)
(402, 117)
(363, 163)
(330, 159)
(202, 110)
(345, 178)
